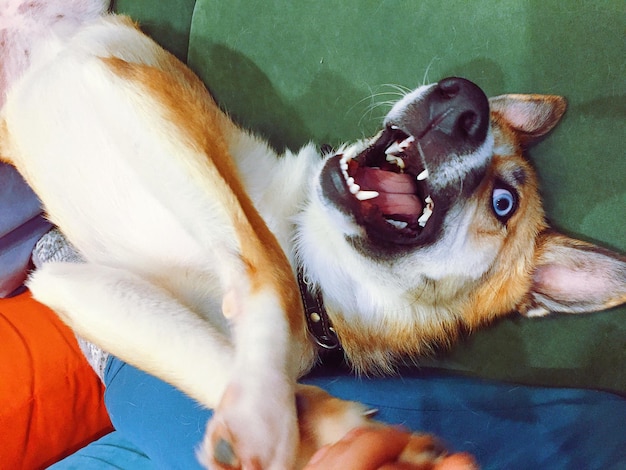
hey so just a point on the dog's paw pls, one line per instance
(252, 428)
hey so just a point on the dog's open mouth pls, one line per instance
(385, 187)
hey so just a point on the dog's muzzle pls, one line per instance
(433, 147)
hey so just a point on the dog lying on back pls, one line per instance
(195, 232)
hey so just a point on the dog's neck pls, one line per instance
(317, 320)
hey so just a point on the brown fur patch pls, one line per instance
(187, 105)
(508, 281)
(324, 419)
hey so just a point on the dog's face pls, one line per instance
(434, 224)
(441, 187)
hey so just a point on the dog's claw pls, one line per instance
(224, 454)
(371, 412)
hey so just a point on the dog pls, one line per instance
(224, 268)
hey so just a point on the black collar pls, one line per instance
(318, 323)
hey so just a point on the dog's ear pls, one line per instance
(531, 116)
(572, 276)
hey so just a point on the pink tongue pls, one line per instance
(375, 179)
(396, 191)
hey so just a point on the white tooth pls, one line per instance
(425, 216)
(427, 212)
(397, 160)
(397, 223)
(354, 189)
(343, 165)
(365, 195)
(422, 176)
(394, 127)
(344, 160)
(406, 143)
(350, 181)
(393, 149)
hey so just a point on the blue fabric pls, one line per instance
(110, 452)
(503, 425)
(21, 226)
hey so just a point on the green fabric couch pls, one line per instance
(325, 71)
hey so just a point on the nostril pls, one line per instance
(469, 123)
(449, 87)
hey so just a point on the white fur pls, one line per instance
(109, 297)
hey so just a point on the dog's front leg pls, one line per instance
(255, 424)
(139, 322)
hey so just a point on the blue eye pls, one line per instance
(503, 203)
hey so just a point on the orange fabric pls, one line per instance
(50, 399)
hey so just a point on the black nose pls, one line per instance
(460, 110)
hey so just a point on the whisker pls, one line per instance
(377, 101)
(373, 98)
(426, 80)
(400, 89)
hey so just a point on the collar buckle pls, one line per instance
(317, 320)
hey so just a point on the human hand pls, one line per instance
(380, 448)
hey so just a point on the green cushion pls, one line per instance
(167, 21)
(325, 71)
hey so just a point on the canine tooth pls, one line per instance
(422, 176)
(365, 195)
(393, 149)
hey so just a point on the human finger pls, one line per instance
(362, 449)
